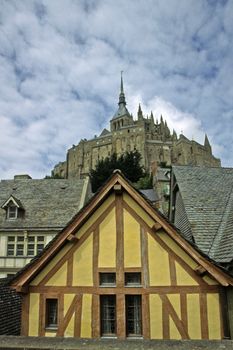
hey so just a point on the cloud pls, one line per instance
(60, 63)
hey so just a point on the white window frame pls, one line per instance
(9, 212)
(14, 243)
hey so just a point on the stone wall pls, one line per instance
(72, 343)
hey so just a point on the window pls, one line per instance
(132, 279)
(107, 279)
(51, 313)
(108, 315)
(12, 212)
(133, 315)
(35, 245)
(25, 245)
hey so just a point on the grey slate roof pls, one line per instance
(104, 132)
(48, 203)
(10, 310)
(151, 195)
(207, 195)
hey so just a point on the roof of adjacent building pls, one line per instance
(207, 194)
(48, 203)
(10, 306)
(151, 195)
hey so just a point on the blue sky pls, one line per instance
(60, 64)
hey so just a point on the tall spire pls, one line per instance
(207, 144)
(122, 95)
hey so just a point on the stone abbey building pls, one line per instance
(151, 138)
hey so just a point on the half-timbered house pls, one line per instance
(120, 269)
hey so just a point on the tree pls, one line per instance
(128, 163)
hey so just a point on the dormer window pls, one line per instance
(12, 212)
(14, 208)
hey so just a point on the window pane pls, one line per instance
(107, 278)
(20, 238)
(19, 249)
(40, 247)
(133, 315)
(132, 278)
(40, 239)
(30, 250)
(11, 239)
(51, 312)
(10, 249)
(108, 314)
(31, 238)
(12, 212)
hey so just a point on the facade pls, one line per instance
(32, 212)
(119, 269)
(201, 206)
(152, 138)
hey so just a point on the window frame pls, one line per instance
(9, 215)
(107, 284)
(20, 243)
(136, 309)
(105, 320)
(48, 325)
(133, 284)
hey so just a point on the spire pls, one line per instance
(207, 143)
(161, 120)
(152, 117)
(122, 95)
(140, 116)
(122, 110)
(174, 135)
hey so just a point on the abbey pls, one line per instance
(151, 138)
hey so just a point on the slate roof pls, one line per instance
(150, 194)
(207, 194)
(48, 203)
(104, 132)
(10, 310)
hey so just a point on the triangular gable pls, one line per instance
(117, 183)
(16, 202)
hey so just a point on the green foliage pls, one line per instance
(145, 182)
(56, 176)
(128, 163)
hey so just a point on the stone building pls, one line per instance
(152, 138)
(32, 212)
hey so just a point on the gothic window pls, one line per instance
(133, 315)
(108, 315)
(51, 313)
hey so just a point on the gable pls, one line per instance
(119, 250)
(120, 233)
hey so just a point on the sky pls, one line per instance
(60, 64)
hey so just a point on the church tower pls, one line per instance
(121, 118)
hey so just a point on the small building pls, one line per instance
(120, 269)
(32, 212)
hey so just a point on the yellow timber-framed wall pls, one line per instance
(177, 302)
